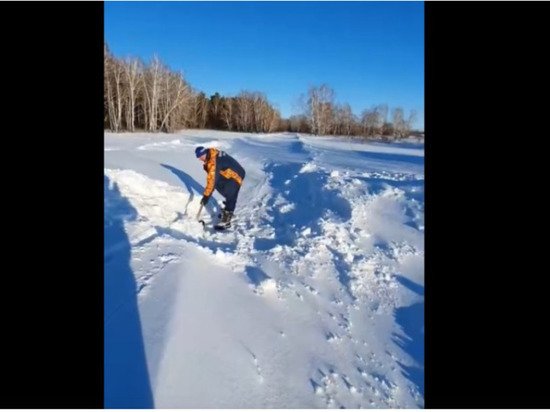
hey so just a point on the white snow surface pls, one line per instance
(314, 299)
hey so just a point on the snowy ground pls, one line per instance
(314, 300)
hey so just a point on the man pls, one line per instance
(224, 174)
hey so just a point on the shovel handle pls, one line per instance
(199, 213)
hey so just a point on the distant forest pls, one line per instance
(149, 96)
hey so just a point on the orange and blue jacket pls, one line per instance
(221, 169)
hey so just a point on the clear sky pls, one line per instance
(368, 52)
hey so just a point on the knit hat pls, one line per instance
(199, 151)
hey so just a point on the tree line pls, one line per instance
(150, 96)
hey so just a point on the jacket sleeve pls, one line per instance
(210, 174)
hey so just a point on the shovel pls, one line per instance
(198, 217)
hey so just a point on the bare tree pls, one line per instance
(399, 124)
(373, 120)
(244, 111)
(176, 101)
(369, 122)
(337, 121)
(132, 76)
(142, 101)
(382, 117)
(151, 91)
(320, 105)
(299, 123)
(113, 89)
(272, 120)
(265, 117)
(118, 71)
(201, 108)
(344, 123)
(215, 111)
(411, 121)
(108, 105)
(227, 112)
(283, 125)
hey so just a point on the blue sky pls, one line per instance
(368, 52)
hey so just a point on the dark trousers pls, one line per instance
(230, 190)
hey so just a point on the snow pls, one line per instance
(314, 299)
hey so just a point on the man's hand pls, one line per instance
(204, 200)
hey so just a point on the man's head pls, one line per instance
(200, 152)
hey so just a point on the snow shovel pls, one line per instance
(198, 217)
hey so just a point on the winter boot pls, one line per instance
(220, 214)
(225, 222)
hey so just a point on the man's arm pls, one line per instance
(210, 176)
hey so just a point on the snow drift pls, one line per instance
(313, 300)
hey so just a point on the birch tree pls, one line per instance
(131, 69)
(320, 105)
